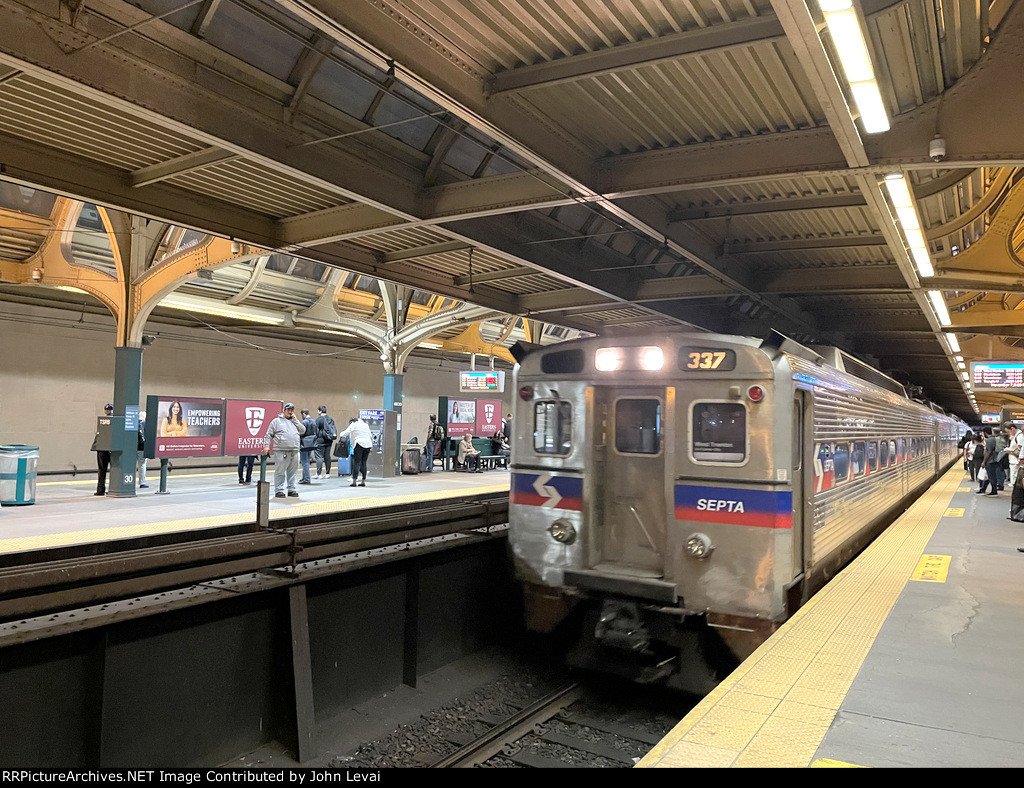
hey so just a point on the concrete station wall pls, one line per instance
(57, 372)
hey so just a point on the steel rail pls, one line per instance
(515, 727)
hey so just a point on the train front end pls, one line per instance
(652, 501)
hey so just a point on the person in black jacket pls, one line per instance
(102, 457)
(307, 445)
(326, 432)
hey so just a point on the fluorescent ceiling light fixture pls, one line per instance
(848, 38)
(71, 289)
(906, 214)
(898, 190)
(961, 364)
(959, 358)
(954, 343)
(939, 304)
(966, 376)
(202, 306)
(430, 345)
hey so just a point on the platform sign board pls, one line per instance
(488, 417)
(246, 423)
(991, 418)
(184, 426)
(997, 375)
(483, 381)
(461, 417)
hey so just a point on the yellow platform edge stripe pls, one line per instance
(774, 710)
(43, 541)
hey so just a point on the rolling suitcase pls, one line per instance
(344, 466)
(411, 461)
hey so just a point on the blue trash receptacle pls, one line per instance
(18, 474)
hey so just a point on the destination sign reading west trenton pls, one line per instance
(997, 375)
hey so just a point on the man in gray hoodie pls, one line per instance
(284, 434)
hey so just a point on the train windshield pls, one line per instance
(719, 432)
(552, 427)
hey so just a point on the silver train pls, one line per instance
(675, 498)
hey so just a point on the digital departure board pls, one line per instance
(487, 380)
(997, 374)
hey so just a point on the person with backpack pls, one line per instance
(435, 434)
(326, 434)
(977, 449)
(990, 465)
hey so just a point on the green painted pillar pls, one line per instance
(123, 456)
(393, 401)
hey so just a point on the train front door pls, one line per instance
(632, 527)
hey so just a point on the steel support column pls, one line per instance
(302, 673)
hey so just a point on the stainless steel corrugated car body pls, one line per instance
(685, 493)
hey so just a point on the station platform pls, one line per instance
(66, 513)
(908, 658)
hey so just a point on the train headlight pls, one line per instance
(651, 358)
(699, 546)
(608, 359)
(562, 531)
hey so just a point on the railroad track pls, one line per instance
(550, 733)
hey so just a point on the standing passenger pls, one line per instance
(307, 445)
(358, 435)
(102, 457)
(285, 433)
(245, 463)
(1015, 443)
(506, 428)
(435, 434)
(977, 456)
(990, 463)
(326, 432)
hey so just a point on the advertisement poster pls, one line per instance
(461, 417)
(488, 417)
(186, 427)
(246, 423)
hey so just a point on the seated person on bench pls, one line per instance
(469, 455)
(500, 449)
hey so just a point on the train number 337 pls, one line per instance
(708, 360)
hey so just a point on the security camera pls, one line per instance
(148, 340)
(937, 149)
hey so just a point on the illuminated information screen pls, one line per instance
(997, 375)
(488, 380)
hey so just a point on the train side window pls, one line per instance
(638, 426)
(719, 432)
(858, 458)
(892, 452)
(552, 427)
(841, 462)
(872, 456)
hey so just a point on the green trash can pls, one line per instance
(18, 474)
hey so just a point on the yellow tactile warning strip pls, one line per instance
(773, 711)
(44, 541)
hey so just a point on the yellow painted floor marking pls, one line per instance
(829, 763)
(775, 708)
(965, 489)
(951, 512)
(932, 568)
(279, 509)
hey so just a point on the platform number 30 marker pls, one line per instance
(128, 477)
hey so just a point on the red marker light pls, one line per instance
(755, 393)
(526, 392)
